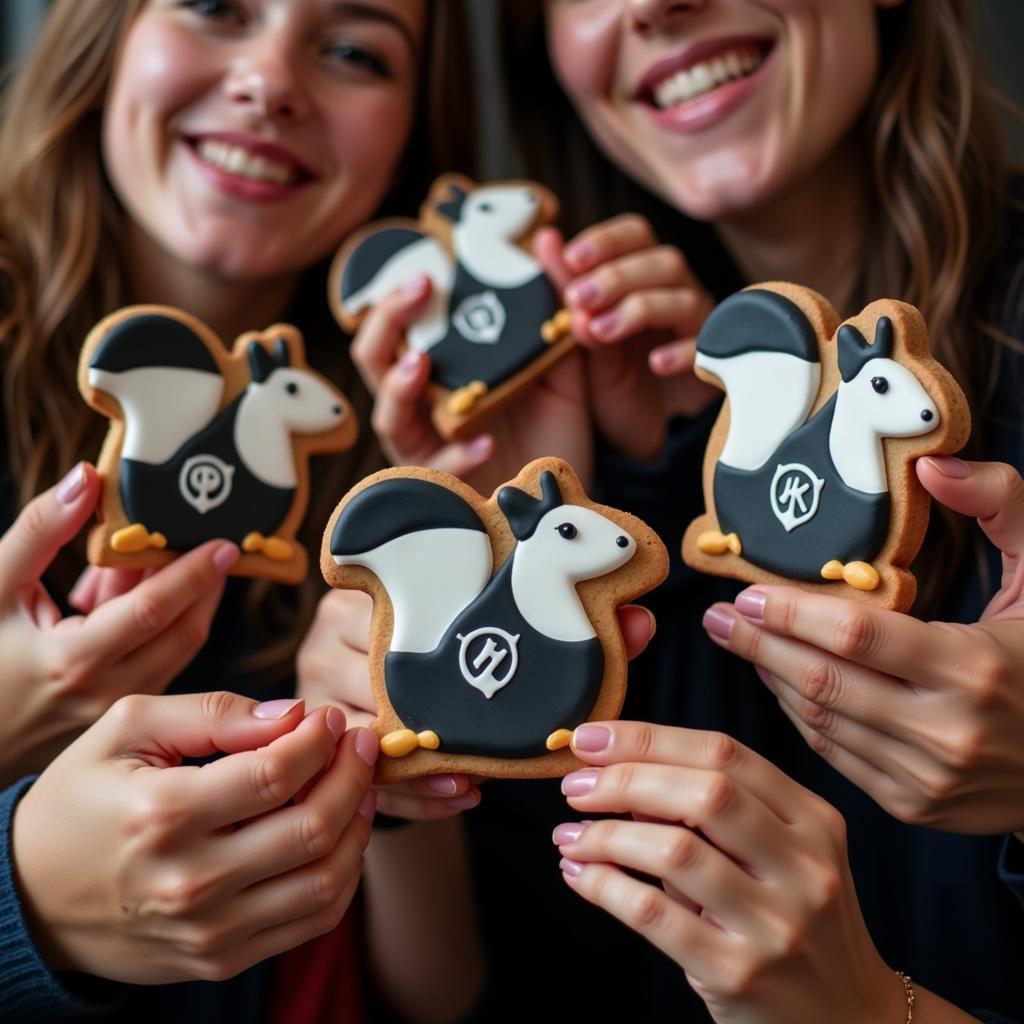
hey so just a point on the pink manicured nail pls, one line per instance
(367, 746)
(72, 485)
(718, 623)
(572, 868)
(580, 253)
(948, 465)
(765, 676)
(275, 710)
(415, 285)
(368, 805)
(336, 722)
(568, 833)
(481, 445)
(443, 785)
(592, 738)
(605, 325)
(751, 604)
(580, 783)
(464, 802)
(225, 557)
(664, 360)
(409, 363)
(582, 292)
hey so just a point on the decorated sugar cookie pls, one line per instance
(493, 321)
(204, 443)
(494, 628)
(808, 476)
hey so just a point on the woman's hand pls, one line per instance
(637, 308)
(756, 902)
(334, 667)
(136, 868)
(926, 718)
(547, 418)
(61, 674)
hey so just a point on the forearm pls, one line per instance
(425, 948)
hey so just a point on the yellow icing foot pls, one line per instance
(712, 542)
(559, 739)
(859, 575)
(130, 539)
(271, 547)
(428, 739)
(557, 327)
(399, 743)
(463, 399)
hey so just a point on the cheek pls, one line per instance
(584, 47)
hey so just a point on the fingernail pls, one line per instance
(568, 833)
(605, 325)
(481, 445)
(582, 292)
(580, 783)
(765, 676)
(72, 485)
(275, 710)
(409, 363)
(442, 785)
(572, 868)
(73, 592)
(368, 805)
(950, 466)
(225, 557)
(367, 746)
(464, 802)
(592, 738)
(336, 722)
(751, 604)
(580, 253)
(718, 623)
(415, 285)
(664, 359)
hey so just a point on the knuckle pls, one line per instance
(324, 888)
(717, 795)
(611, 280)
(646, 910)
(203, 941)
(823, 884)
(1009, 481)
(672, 260)
(316, 835)
(682, 852)
(215, 705)
(819, 717)
(821, 682)
(786, 940)
(127, 710)
(32, 523)
(721, 752)
(636, 225)
(739, 977)
(619, 780)
(215, 969)
(833, 823)
(988, 676)
(192, 632)
(179, 895)
(269, 780)
(148, 613)
(199, 576)
(643, 741)
(856, 635)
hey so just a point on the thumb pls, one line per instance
(547, 247)
(44, 526)
(162, 730)
(991, 492)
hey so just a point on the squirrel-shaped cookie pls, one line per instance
(204, 443)
(808, 476)
(493, 321)
(494, 628)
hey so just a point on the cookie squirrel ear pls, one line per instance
(854, 352)
(882, 349)
(452, 208)
(261, 362)
(520, 509)
(282, 354)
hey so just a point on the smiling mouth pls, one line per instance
(241, 162)
(705, 76)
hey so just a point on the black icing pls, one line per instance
(152, 495)
(849, 525)
(371, 254)
(523, 511)
(555, 685)
(393, 508)
(758, 321)
(452, 206)
(149, 340)
(854, 350)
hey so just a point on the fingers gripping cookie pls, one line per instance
(808, 476)
(204, 443)
(494, 631)
(493, 320)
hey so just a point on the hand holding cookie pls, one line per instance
(924, 717)
(61, 674)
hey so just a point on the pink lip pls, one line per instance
(703, 111)
(245, 188)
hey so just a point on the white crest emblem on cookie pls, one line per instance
(795, 494)
(480, 318)
(488, 658)
(205, 482)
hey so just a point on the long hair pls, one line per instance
(61, 267)
(938, 184)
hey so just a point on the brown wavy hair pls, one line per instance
(939, 184)
(61, 268)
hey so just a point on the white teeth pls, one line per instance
(706, 76)
(239, 161)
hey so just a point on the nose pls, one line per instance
(265, 79)
(651, 15)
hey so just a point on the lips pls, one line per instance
(251, 161)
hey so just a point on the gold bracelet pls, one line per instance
(908, 987)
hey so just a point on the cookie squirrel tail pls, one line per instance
(764, 352)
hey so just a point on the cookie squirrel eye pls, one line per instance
(485, 208)
(292, 388)
(567, 531)
(880, 384)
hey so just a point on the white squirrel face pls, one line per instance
(502, 210)
(577, 543)
(891, 399)
(299, 401)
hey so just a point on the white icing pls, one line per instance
(268, 415)
(546, 568)
(491, 220)
(424, 256)
(205, 482)
(163, 407)
(494, 665)
(794, 494)
(770, 395)
(430, 576)
(863, 417)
